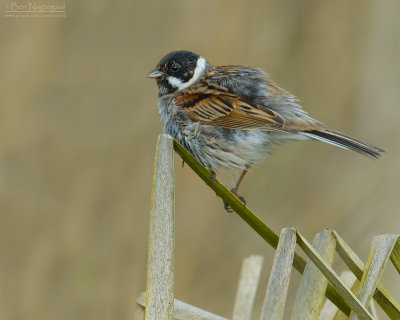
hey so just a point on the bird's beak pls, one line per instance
(155, 74)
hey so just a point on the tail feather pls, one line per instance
(344, 141)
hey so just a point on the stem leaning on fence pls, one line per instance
(381, 295)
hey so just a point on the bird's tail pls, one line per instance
(344, 141)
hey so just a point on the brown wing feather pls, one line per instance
(204, 107)
(228, 111)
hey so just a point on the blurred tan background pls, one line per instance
(78, 128)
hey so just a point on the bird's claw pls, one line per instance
(241, 198)
(227, 207)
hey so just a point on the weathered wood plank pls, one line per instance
(185, 311)
(248, 283)
(278, 284)
(311, 292)
(160, 265)
(378, 257)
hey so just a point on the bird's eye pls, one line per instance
(175, 67)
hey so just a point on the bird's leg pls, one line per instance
(235, 189)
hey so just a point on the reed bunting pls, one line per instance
(233, 116)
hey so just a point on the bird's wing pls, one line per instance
(232, 97)
(228, 111)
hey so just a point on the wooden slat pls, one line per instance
(395, 256)
(334, 279)
(311, 292)
(348, 255)
(378, 257)
(160, 265)
(278, 284)
(248, 283)
(185, 311)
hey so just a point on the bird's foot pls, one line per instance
(241, 198)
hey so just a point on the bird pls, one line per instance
(233, 116)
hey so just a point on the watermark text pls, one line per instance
(32, 9)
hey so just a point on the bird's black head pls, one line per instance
(178, 70)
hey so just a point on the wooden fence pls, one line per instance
(349, 296)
